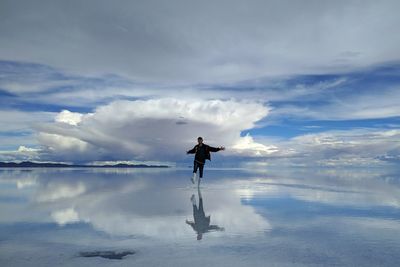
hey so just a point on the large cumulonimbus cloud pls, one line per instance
(155, 129)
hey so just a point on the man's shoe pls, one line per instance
(193, 178)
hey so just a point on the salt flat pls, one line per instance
(156, 217)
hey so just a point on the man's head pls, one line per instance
(200, 140)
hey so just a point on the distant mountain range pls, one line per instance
(29, 164)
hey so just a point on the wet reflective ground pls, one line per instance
(156, 217)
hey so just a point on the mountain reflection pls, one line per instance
(201, 223)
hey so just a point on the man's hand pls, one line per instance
(222, 148)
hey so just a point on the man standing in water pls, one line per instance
(202, 152)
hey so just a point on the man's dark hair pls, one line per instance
(198, 138)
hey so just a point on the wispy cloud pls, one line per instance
(186, 42)
(359, 147)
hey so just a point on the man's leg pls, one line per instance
(195, 167)
(201, 209)
(201, 167)
(193, 200)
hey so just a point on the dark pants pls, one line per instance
(198, 212)
(198, 165)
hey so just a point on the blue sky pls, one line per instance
(140, 81)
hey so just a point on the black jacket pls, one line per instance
(208, 149)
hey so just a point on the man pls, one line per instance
(202, 152)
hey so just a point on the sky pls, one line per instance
(275, 82)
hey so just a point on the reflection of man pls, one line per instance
(201, 222)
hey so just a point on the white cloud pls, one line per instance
(32, 85)
(359, 147)
(66, 216)
(23, 149)
(69, 117)
(54, 191)
(247, 144)
(26, 182)
(55, 142)
(155, 129)
(21, 154)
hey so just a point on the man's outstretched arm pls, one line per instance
(215, 149)
(215, 228)
(192, 224)
(191, 151)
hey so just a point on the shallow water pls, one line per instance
(145, 217)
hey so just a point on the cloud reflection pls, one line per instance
(286, 217)
(138, 203)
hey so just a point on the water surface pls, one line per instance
(156, 217)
